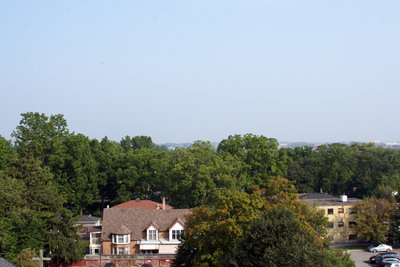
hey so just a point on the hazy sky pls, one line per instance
(180, 71)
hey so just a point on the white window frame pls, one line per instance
(124, 238)
(119, 250)
(177, 234)
(152, 234)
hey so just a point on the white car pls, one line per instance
(381, 247)
(390, 262)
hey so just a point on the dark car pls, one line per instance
(376, 258)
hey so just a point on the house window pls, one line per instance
(127, 250)
(120, 251)
(330, 211)
(177, 234)
(114, 251)
(352, 224)
(151, 234)
(340, 210)
(120, 239)
(340, 224)
(95, 238)
(331, 224)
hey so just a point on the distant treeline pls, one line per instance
(90, 173)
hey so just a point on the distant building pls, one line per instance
(89, 220)
(340, 214)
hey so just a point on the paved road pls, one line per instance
(361, 257)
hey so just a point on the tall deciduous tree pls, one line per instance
(277, 238)
(259, 153)
(373, 217)
(211, 232)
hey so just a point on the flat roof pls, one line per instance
(326, 199)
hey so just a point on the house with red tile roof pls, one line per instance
(140, 231)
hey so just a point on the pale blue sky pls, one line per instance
(180, 71)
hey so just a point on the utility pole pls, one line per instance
(41, 259)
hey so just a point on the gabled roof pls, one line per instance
(177, 220)
(150, 225)
(136, 220)
(142, 204)
(122, 230)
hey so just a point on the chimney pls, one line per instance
(137, 199)
(163, 203)
(108, 206)
(343, 198)
(320, 191)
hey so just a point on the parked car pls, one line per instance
(385, 261)
(376, 258)
(381, 247)
(393, 264)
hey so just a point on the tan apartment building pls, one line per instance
(340, 214)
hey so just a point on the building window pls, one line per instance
(127, 250)
(177, 234)
(151, 234)
(121, 251)
(352, 237)
(352, 211)
(340, 224)
(149, 251)
(331, 224)
(340, 210)
(121, 239)
(330, 211)
(114, 251)
(352, 224)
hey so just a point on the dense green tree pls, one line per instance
(137, 142)
(259, 153)
(62, 237)
(41, 136)
(79, 180)
(373, 217)
(198, 173)
(29, 201)
(142, 173)
(211, 232)
(277, 238)
(5, 152)
(106, 153)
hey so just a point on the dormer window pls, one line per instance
(176, 230)
(152, 233)
(121, 239)
(177, 234)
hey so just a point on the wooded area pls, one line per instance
(48, 175)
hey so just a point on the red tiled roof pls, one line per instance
(142, 204)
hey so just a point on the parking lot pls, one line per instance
(361, 257)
